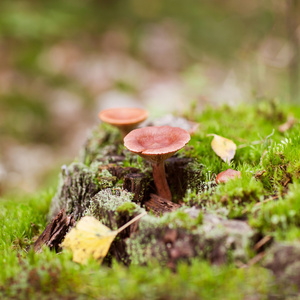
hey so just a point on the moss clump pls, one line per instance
(181, 219)
(279, 217)
(281, 163)
(234, 198)
(105, 180)
(102, 137)
(127, 208)
(240, 194)
(243, 125)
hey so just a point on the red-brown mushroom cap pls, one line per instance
(123, 116)
(156, 143)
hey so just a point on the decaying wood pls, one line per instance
(76, 187)
(136, 183)
(120, 172)
(217, 239)
(160, 205)
(183, 173)
(180, 235)
(54, 232)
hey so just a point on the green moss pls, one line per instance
(103, 179)
(127, 207)
(279, 216)
(57, 277)
(270, 165)
(103, 140)
(281, 162)
(236, 196)
(180, 219)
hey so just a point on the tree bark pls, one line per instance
(54, 232)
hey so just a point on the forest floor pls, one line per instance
(266, 198)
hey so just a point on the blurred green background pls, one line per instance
(62, 61)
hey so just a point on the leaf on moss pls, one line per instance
(90, 238)
(227, 175)
(223, 147)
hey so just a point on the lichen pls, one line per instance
(104, 205)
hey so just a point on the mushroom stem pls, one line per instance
(160, 180)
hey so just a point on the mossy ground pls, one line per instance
(267, 195)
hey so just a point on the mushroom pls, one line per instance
(156, 144)
(125, 119)
(229, 174)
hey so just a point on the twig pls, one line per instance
(256, 259)
(265, 201)
(285, 184)
(132, 221)
(262, 242)
(260, 203)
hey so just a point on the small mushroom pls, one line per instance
(156, 144)
(229, 174)
(125, 119)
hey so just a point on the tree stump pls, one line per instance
(114, 193)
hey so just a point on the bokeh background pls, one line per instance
(62, 61)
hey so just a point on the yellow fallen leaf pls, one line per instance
(223, 147)
(90, 238)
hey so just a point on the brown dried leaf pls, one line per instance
(229, 174)
(223, 147)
